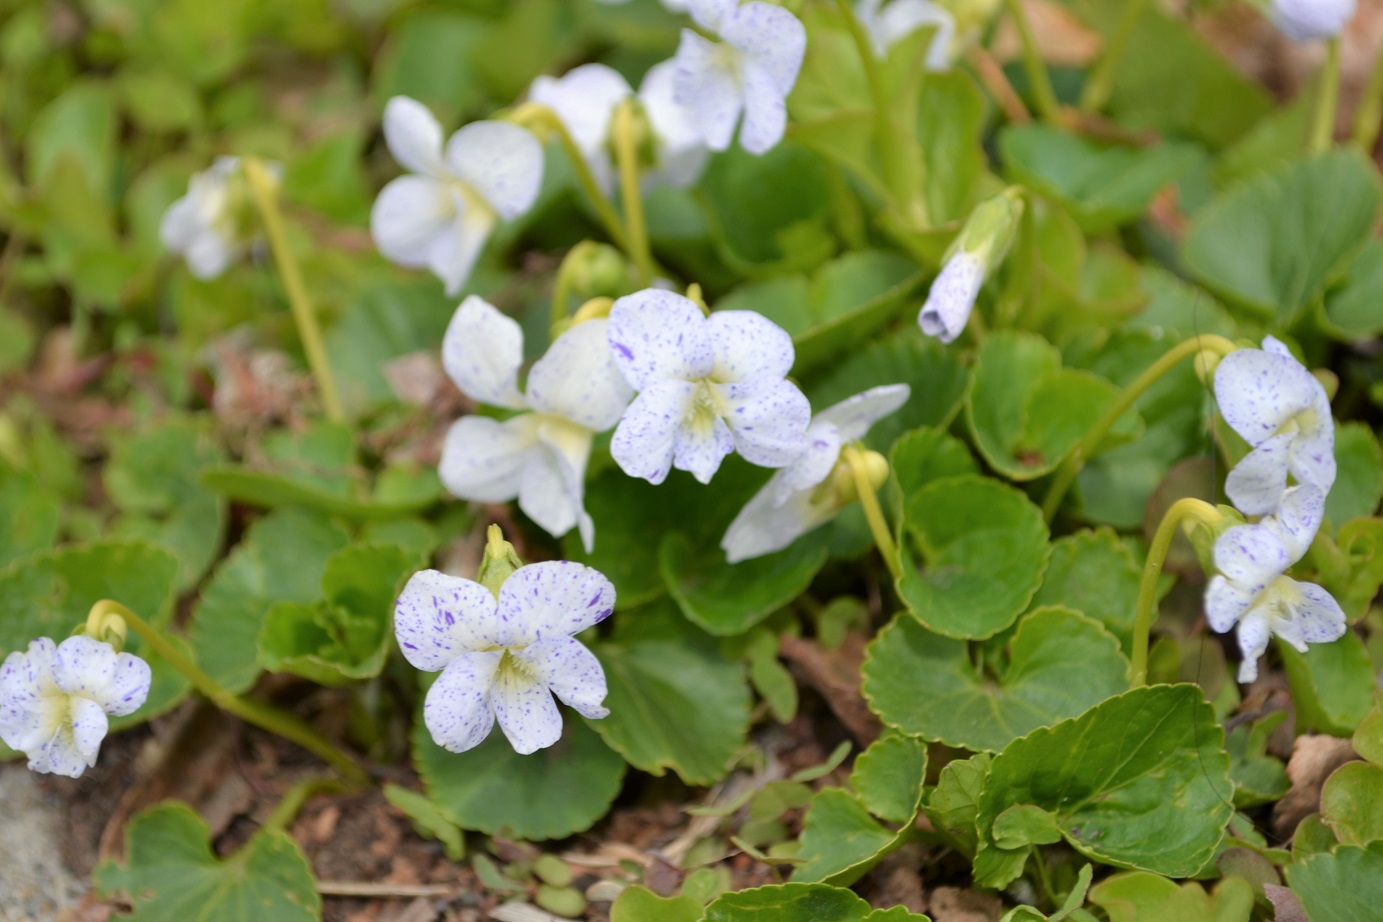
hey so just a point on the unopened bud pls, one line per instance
(499, 563)
(991, 227)
(600, 270)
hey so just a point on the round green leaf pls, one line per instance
(29, 514)
(888, 777)
(1138, 896)
(769, 212)
(1140, 781)
(788, 903)
(923, 455)
(840, 840)
(1343, 886)
(547, 795)
(639, 904)
(1351, 310)
(1060, 664)
(1094, 573)
(1359, 483)
(1332, 683)
(1352, 803)
(985, 549)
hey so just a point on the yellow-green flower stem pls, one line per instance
(624, 133)
(695, 296)
(261, 715)
(1090, 443)
(291, 804)
(262, 187)
(1183, 512)
(869, 501)
(1041, 81)
(1100, 83)
(1327, 100)
(542, 121)
(1369, 115)
(893, 153)
(563, 284)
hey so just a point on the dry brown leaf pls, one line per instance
(1314, 758)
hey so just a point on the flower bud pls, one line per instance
(600, 271)
(499, 563)
(991, 227)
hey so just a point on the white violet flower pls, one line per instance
(1307, 20)
(55, 700)
(801, 496)
(440, 216)
(952, 296)
(751, 71)
(585, 99)
(890, 21)
(503, 659)
(213, 223)
(539, 457)
(707, 386)
(1282, 411)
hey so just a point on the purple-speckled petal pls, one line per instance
(483, 459)
(551, 492)
(1255, 485)
(1226, 602)
(1258, 392)
(502, 162)
(1315, 613)
(32, 707)
(747, 345)
(525, 711)
(769, 418)
(711, 14)
(84, 666)
(854, 416)
(814, 465)
(659, 336)
(439, 617)
(952, 297)
(571, 671)
(1253, 642)
(458, 711)
(699, 448)
(708, 89)
(1297, 519)
(129, 688)
(765, 525)
(765, 111)
(577, 378)
(644, 442)
(413, 136)
(1311, 459)
(772, 41)
(89, 727)
(482, 351)
(1251, 556)
(556, 598)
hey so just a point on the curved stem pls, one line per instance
(624, 132)
(262, 189)
(261, 715)
(562, 285)
(869, 501)
(1041, 81)
(1090, 443)
(1369, 116)
(1182, 511)
(1100, 83)
(291, 804)
(1327, 100)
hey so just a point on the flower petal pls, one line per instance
(551, 491)
(769, 418)
(903, 17)
(747, 344)
(1297, 519)
(89, 727)
(584, 99)
(525, 711)
(1259, 391)
(84, 666)
(711, 14)
(854, 416)
(577, 378)
(952, 297)
(458, 711)
(414, 136)
(1253, 642)
(765, 111)
(180, 224)
(438, 618)
(1255, 485)
(710, 92)
(129, 688)
(659, 335)
(209, 255)
(678, 149)
(453, 253)
(73, 748)
(501, 161)
(699, 449)
(556, 598)
(482, 352)
(1316, 615)
(815, 463)
(32, 708)
(1308, 20)
(409, 215)
(1311, 459)
(1251, 556)
(767, 524)
(770, 38)
(483, 459)
(1226, 602)
(644, 442)
(571, 671)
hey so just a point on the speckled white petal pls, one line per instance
(409, 215)
(1255, 485)
(747, 344)
(658, 335)
(62, 753)
(1315, 613)
(1308, 20)
(525, 711)
(483, 459)
(708, 89)
(584, 99)
(771, 39)
(814, 465)
(439, 617)
(680, 153)
(1251, 556)
(180, 224)
(502, 162)
(1297, 519)
(84, 666)
(711, 14)
(549, 493)
(414, 137)
(765, 111)
(453, 253)
(129, 688)
(1258, 391)
(854, 416)
(89, 727)
(903, 17)
(1311, 459)
(570, 448)
(766, 526)
(952, 297)
(32, 707)
(644, 441)
(699, 449)
(457, 710)
(555, 598)
(1253, 636)
(209, 255)
(482, 352)
(577, 378)
(769, 418)
(571, 671)
(1226, 603)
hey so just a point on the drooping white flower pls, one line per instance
(1252, 592)
(952, 296)
(1307, 20)
(440, 215)
(751, 71)
(585, 99)
(574, 391)
(1298, 517)
(1282, 411)
(503, 659)
(55, 699)
(890, 22)
(213, 224)
(798, 498)
(707, 386)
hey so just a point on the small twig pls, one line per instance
(367, 890)
(994, 80)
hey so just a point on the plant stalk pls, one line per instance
(624, 130)
(1043, 94)
(1327, 100)
(1369, 116)
(1100, 84)
(869, 501)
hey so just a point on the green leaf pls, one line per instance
(281, 559)
(382, 322)
(1368, 737)
(346, 635)
(1060, 663)
(172, 873)
(1096, 574)
(1274, 244)
(427, 819)
(1332, 684)
(82, 123)
(492, 789)
(29, 514)
(921, 456)
(1101, 185)
(637, 904)
(273, 490)
(1351, 310)
(1022, 825)
(674, 700)
(985, 546)
(793, 902)
(840, 840)
(1359, 481)
(429, 55)
(1140, 781)
(329, 176)
(955, 802)
(1258, 778)
(770, 678)
(1344, 886)
(1138, 896)
(1025, 411)
(851, 298)
(888, 777)
(1352, 803)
